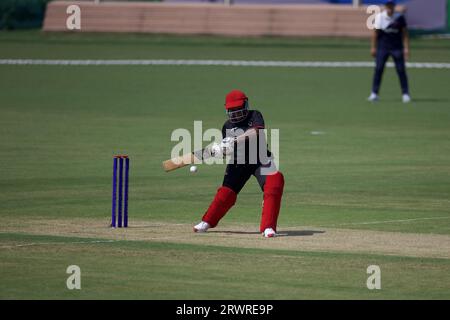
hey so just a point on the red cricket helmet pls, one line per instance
(236, 104)
(234, 99)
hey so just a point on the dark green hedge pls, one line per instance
(22, 14)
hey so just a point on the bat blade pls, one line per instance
(185, 160)
(179, 162)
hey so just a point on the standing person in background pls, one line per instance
(390, 38)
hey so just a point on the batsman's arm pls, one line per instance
(189, 158)
(250, 133)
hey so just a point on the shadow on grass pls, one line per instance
(299, 233)
(283, 233)
(290, 233)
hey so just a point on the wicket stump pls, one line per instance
(120, 195)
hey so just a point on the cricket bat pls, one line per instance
(203, 154)
(187, 159)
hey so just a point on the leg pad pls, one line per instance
(225, 198)
(273, 191)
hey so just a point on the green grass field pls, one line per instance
(378, 172)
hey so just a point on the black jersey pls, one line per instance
(254, 119)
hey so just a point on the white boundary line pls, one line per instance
(231, 63)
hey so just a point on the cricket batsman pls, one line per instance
(244, 122)
(390, 38)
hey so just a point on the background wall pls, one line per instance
(429, 15)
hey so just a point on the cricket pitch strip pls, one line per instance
(302, 238)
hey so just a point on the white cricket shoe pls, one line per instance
(269, 233)
(373, 97)
(406, 98)
(202, 227)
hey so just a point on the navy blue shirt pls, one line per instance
(390, 31)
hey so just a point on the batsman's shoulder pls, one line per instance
(227, 125)
(257, 119)
(256, 114)
(224, 129)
